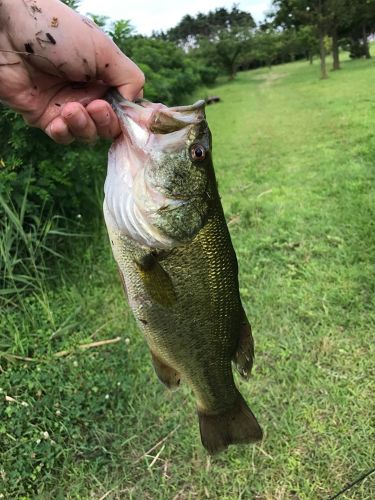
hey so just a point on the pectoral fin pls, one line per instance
(156, 280)
(123, 283)
(244, 355)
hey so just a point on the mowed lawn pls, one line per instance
(295, 159)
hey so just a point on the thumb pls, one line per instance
(115, 69)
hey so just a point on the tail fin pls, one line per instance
(235, 426)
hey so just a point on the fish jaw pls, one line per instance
(156, 118)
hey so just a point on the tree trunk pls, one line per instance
(311, 57)
(323, 66)
(233, 62)
(233, 71)
(335, 49)
(365, 42)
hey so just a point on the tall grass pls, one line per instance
(25, 242)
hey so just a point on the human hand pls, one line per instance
(55, 65)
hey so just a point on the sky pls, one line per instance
(148, 15)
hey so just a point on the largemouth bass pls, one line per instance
(177, 264)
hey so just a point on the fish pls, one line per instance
(176, 261)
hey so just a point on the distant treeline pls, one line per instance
(200, 48)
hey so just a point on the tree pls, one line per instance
(222, 35)
(229, 47)
(170, 74)
(267, 45)
(337, 19)
(306, 41)
(101, 21)
(73, 4)
(121, 31)
(190, 29)
(314, 13)
(362, 24)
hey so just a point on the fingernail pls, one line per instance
(80, 120)
(103, 120)
(77, 117)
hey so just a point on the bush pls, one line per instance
(208, 74)
(170, 74)
(67, 179)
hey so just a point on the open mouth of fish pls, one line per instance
(136, 189)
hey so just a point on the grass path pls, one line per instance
(295, 164)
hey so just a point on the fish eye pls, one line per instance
(197, 152)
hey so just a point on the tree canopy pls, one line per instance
(223, 37)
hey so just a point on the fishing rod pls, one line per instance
(350, 486)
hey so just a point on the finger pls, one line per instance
(134, 89)
(80, 124)
(105, 119)
(58, 130)
(117, 70)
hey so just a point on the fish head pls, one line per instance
(179, 152)
(168, 155)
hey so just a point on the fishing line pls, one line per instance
(350, 486)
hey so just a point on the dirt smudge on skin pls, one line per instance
(78, 85)
(50, 38)
(88, 69)
(32, 9)
(42, 41)
(29, 48)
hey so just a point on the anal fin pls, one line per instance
(169, 376)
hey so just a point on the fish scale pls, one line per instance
(208, 255)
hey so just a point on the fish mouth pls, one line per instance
(176, 118)
(199, 105)
(144, 117)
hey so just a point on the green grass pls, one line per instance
(295, 163)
